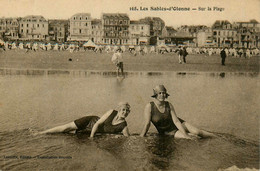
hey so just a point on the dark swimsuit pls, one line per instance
(163, 121)
(85, 124)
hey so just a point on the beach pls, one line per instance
(89, 61)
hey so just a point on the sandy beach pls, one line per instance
(88, 60)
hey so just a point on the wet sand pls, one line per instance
(91, 61)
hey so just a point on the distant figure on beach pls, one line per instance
(180, 53)
(223, 56)
(185, 53)
(117, 59)
(163, 116)
(112, 122)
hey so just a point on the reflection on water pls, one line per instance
(161, 150)
(222, 74)
(113, 73)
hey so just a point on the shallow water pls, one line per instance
(224, 103)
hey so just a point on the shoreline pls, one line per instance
(72, 72)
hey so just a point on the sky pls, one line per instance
(232, 10)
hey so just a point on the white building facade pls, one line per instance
(80, 27)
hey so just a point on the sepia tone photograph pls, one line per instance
(129, 85)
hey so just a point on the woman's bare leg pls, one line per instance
(59, 129)
(193, 130)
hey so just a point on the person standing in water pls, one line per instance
(113, 122)
(117, 59)
(163, 116)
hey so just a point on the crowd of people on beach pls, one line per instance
(135, 50)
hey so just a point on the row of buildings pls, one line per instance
(118, 29)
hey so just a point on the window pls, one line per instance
(22, 30)
(27, 25)
(38, 25)
(142, 27)
(42, 25)
(79, 30)
(22, 25)
(27, 31)
(86, 18)
(79, 18)
(86, 24)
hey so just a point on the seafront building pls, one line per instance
(116, 28)
(139, 32)
(204, 38)
(2, 27)
(224, 34)
(80, 27)
(177, 37)
(58, 30)
(248, 33)
(168, 33)
(97, 32)
(33, 27)
(156, 27)
(9, 28)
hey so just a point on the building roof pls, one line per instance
(58, 21)
(220, 23)
(81, 14)
(138, 22)
(168, 28)
(115, 15)
(152, 19)
(96, 21)
(181, 34)
(34, 17)
(134, 22)
(253, 21)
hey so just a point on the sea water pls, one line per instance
(226, 104)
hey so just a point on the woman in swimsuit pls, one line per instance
(113, 121)
(162, 114)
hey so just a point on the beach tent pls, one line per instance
(89, 44)
(163, 48)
